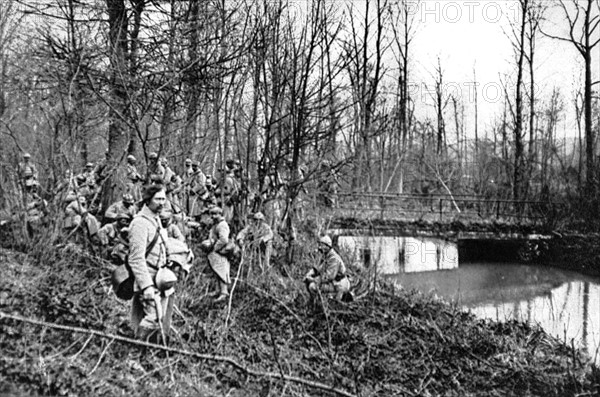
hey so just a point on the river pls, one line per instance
(565, 304)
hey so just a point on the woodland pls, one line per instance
(285, 86)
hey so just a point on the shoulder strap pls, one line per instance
(153, 242)
(156, 235)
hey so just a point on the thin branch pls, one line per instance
(200, 356)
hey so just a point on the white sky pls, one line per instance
(465, 34)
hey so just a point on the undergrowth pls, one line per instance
(387, 343)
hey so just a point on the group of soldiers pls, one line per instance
(162, 207)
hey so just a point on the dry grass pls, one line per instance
(388, 343)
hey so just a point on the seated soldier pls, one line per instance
(258, 237)
(330, 275)
(166, 220)
(78, 218)
(126, 206)
(109, 233)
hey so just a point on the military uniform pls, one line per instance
(144, 314)
(134, 179)
(329, 276)
(258, 236)
(120, 207)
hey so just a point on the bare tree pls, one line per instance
(583, 19)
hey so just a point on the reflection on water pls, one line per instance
(565, 304)
(401, 254)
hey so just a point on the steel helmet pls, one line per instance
(152, 155)
(259, 216)
(26, 155)
(128, 198)
(131, 157)
(215, 211)
(165, 278)
(326, 240)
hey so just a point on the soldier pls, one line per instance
(166, 220)
(227, 193)
(66, 190)
(77, 218)
(86, 182)
(330, 275)
(108, 234)
(101, 170)
(134, 179)
(271, 196)
(187, 170)
(258, 237)
(197, 192)
(216, 245)
(156, 171)
(175, 190)
(125, 205)
(168, 171)
(152, 303)
(28, 173)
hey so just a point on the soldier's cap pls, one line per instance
(82, 199)
(89, 165)
(326, 240)
(259, 216)
(188, 161)
(131, 157)
(163, 160)
(124, 215)
(216, 211)
(128, 198)
(152, 155)
(26, 155)
(165, 214)
(196, 164)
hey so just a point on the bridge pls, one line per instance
(456, 217)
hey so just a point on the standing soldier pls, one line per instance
(197, 192)
(86, 183)
(216, 245)
(168, 171)
(258, 237)
(156, 172)
(187, 170)
(134, 179)
(28, 173)
(227, 193)
(153, 300)
(101, 171)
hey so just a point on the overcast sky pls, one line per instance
(465, 34)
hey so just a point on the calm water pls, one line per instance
(565, 304)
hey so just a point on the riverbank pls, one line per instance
(269, 342)
(577, 252)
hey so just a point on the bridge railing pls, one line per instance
(441, 208)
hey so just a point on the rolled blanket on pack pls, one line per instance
(220, 265)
